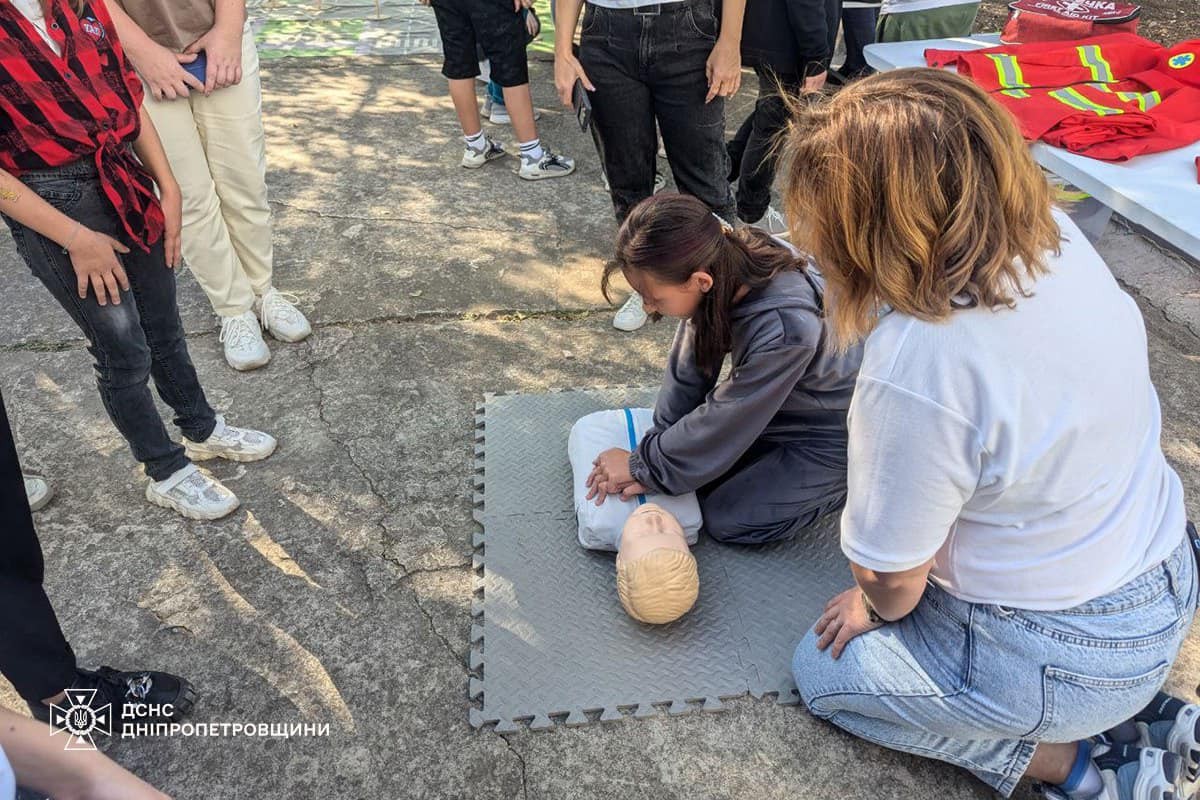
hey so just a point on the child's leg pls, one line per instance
(466, 105)
(153, 289)
(495, 92)
(519, 102)
(115, 336)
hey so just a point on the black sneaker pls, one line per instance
(132, 695)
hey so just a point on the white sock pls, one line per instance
(1089, 786)
(532, 150)
(478, 142)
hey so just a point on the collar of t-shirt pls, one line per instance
(32, 11)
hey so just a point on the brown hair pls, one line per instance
(913, 189)
(671, 236)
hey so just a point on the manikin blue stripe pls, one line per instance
(641, 498)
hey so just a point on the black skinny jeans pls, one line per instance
(752, 153)
(131, 342)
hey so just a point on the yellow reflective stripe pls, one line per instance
(1020, 94)
(1145, 101)
(1008, 71)
(1074, 99)
(1091, 57)
(1102, 87)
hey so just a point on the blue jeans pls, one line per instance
(130, 343)
(980, 685)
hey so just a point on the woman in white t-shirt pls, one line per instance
(1024, 581)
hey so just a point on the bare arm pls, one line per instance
(893, 594)
(567, 68)
(724, 67)
(158, 66)
(41, 764)
(150, 150)
(96, 266)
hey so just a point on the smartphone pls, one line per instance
(582, 104)
(197, 68)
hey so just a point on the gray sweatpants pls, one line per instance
(775, 490)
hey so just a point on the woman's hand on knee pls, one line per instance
(94, 259)
(845, 617)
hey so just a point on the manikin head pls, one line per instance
(657, 580)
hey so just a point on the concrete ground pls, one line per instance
(340, 593)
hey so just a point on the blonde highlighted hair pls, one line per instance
(659, 587)
(914, 190)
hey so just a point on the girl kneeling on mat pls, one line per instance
(764, 449)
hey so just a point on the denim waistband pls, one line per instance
(653, 9)
(83, 168)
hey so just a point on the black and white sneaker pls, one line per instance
(138, 696)
(1130, 773)
(550, 165)
(1167, 723)
(492, 150)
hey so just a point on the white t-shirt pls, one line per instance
(903, 6)
(1020, 446)
(8, 781)
(32, 11)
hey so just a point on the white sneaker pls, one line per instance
(548, 166)
(234, 444)
(632, 315)
(280, 317)
(773, 223)
(37, 491)
(660, 181)
(498, 114)
(243, 340)
(194, 494)
(474, 159)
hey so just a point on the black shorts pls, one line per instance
(495, 27)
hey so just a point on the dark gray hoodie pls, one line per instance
(786, 385)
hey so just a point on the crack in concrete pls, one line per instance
(458, 659)
(524, 773)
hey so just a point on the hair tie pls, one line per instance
(726, 228)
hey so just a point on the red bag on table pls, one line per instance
(1064, 20)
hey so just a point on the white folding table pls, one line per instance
(1158, 192)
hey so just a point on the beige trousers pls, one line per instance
(217, 151)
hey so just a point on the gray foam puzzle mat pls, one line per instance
(550, 642)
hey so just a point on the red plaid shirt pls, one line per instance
(55, 110)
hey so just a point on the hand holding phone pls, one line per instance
(198, 67)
